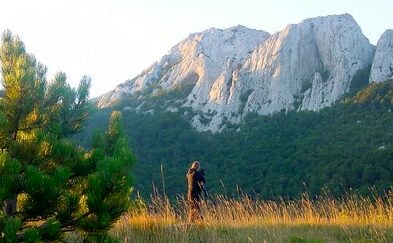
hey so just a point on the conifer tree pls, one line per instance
(48, 185)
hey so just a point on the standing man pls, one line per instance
(196, 184)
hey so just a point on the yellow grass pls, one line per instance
(324, 219)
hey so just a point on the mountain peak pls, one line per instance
(232, 72)
(202, 55)
(235, 28)
(382, 67)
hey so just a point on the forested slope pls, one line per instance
(347, 146)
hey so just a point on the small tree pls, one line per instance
(47, 184)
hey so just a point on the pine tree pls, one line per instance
(48, 185)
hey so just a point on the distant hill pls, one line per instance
(346, 146)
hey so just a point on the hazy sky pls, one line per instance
(114, 40)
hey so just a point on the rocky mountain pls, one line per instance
(382, 67)
(197, 60)
(235, 71)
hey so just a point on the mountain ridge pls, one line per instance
(235, 71)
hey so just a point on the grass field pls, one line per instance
(324, 219)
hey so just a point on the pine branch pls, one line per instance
(68, 226)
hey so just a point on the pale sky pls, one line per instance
(114, 40)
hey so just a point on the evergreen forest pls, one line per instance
(342, 148)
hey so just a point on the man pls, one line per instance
(196, 184)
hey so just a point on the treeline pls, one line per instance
(341, 148)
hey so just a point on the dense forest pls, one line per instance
(344, 147)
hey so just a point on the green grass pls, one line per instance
(277, 233)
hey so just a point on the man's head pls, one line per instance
(195, 165)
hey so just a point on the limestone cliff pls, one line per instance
(382, 67)
(235, 71)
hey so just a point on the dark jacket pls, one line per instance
(196, 182)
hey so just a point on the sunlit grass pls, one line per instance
(323, 219)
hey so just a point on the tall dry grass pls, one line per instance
(324, 218)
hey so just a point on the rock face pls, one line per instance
(382, 67)
(201, 59)
(306, 66)
(235, 71)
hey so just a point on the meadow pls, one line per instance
(351, 218)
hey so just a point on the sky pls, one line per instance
(115, 40)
